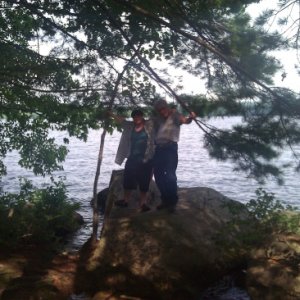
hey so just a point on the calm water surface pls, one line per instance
(195, 168)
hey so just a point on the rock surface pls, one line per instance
(162, 255)
(274, 269)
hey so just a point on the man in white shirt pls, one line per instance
(166, 152)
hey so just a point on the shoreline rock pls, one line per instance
(158, 255)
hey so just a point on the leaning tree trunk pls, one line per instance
(95, 200)
(100, 155)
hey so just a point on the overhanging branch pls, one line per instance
(198, 40)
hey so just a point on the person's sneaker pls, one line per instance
(121, 203)
(145, 208)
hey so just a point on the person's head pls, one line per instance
(161, 106)
(137, 116)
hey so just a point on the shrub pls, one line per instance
(265, 216)
(36, 216)
(272, 215)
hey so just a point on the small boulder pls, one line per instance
(101, 200)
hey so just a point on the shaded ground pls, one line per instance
(37, 273)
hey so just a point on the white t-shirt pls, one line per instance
(168, 129)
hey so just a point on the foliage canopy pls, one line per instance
(64, 63)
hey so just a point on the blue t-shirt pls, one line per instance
(138, 145)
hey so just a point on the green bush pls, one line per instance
(273, 216)
(36, 216)
(264, 216)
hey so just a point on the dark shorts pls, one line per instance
(137, 174)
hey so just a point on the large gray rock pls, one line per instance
(160, 255)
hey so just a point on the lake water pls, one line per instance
(195, 168)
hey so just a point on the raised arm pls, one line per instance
(187, 120)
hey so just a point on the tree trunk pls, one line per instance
(100, 155)
(95, 193)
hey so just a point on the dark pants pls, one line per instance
(137, 173)
(165, 165)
